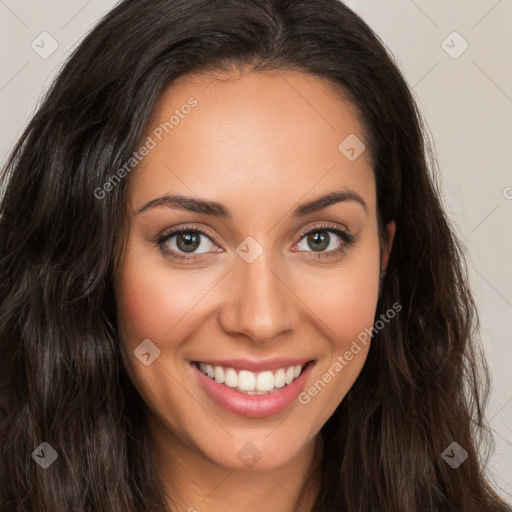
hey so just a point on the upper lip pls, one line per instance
(256, 366)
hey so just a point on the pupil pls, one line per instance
(322, 239)
(189, 239)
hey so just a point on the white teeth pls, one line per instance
(249, 382)
(279, 378)
(246, 380)
(231, 378)
(219, 374)
(265, 381)
(289, 375)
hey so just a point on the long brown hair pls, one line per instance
(62, 381)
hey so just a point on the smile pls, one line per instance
(251, 383)
(257, 392)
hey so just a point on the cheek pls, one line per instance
(356, 303)
(346, 304)
(151, 301)
(149, 308)
(346, 300)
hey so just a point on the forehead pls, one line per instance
(252, 135)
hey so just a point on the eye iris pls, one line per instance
(191, 241)
(321, 237)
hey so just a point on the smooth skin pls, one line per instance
(261, 144)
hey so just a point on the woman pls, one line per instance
(169, 339)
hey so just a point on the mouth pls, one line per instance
(252, 393)
(249, 382)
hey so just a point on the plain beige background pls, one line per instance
(457, 58)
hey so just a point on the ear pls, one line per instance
(391, 229)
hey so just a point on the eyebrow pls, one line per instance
(218, 210)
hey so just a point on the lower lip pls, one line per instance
(254, 406)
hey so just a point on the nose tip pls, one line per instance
(260, 305)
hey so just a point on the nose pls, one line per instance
(260, 303)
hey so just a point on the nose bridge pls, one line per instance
(261, 304)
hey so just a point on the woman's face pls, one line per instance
(270, 285)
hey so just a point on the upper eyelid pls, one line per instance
(323, 226)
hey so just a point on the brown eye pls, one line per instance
(186, 243)
(322, 240)
(318, 240)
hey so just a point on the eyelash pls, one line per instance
(347, 241)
